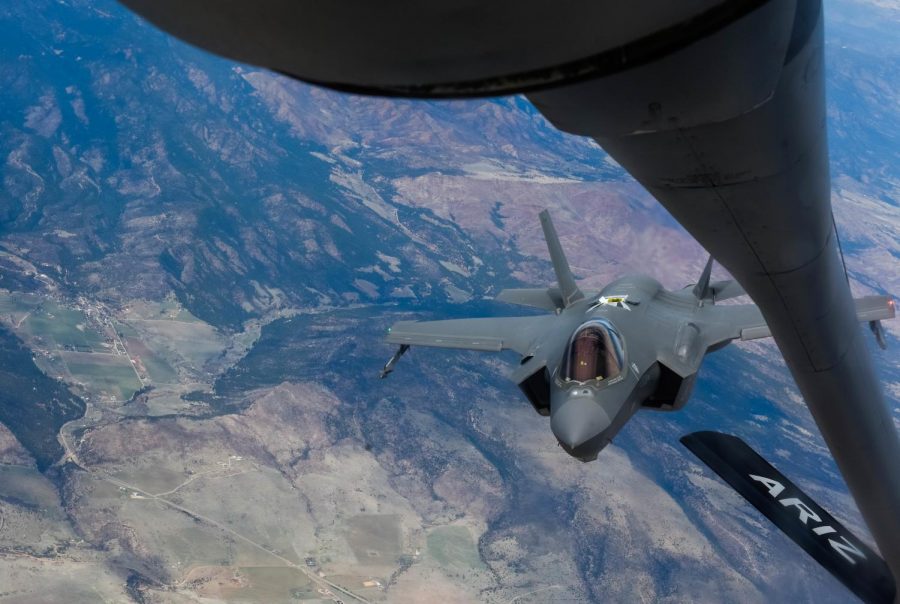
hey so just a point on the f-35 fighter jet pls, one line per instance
(597, 359)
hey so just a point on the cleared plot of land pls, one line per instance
(159, 371)
(153, 479)
(453, 546)
(185, 315)
(196, 342)
(193, 544)
(375, 538)
(257, 503)
(103, 374)
(167, 342)
(356, 584)
(12, 302)
(125, 330)
(270, 584)
(169, 310)
(180, 541)
(104, 492)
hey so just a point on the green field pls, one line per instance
(159, 370)
(197, 342)
(125, 330)
(11, 303)
(44, 318)
(65, 327)
(104, 374)
(171, 309)
(453, 546)
(185, 316)
(166, 310)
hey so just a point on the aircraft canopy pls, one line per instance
(595, 353)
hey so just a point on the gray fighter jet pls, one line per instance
(597, 359)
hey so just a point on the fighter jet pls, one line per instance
(597, 359)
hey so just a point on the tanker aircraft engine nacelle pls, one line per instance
(596, 360)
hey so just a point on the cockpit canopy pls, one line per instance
(595, 353)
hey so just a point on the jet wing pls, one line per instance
(488, 335)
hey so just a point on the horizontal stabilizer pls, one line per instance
(546, 299)
(868, 308)
(875, 308)
(725, 290)
(809, 525)
(715, 290)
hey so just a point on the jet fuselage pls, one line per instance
(645, 323)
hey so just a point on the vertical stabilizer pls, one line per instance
(567, 287)
(701, 290)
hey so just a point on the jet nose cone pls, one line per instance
(578, 420)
